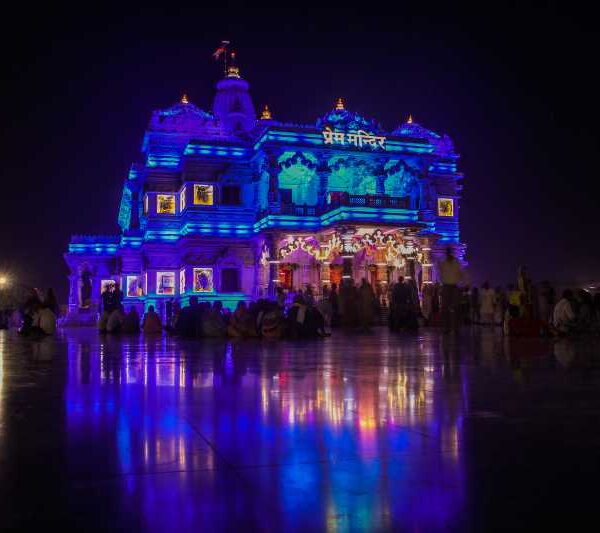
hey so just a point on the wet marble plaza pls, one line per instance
(350, 433)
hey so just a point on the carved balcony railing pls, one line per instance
(368, 200)
(337, 200)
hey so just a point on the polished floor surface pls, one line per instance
(376, 432)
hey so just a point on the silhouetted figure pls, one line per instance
(132, 322)
(564, 316)
(51, 302)
(151, 323)
(366, 304)
(450, 275)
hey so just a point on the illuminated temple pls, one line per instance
(224, 205)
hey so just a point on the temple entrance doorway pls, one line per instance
(335, 274)
(286, 276)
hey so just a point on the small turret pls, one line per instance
(233, 105)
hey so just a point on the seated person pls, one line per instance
(241, 323)
(132, 322)
(272, 325)
(44, 321)
(213, 322)
(151, 322)
(116, 320)
(564, 316)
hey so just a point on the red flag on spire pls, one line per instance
(221, 50)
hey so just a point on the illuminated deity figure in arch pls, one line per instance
(352, 177)
(402, 181)
(299, 175)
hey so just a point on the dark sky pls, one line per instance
(515, 88)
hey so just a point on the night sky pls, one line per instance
(515, 89)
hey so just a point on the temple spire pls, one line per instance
(339, 104)
(410, 119)
(233, 71)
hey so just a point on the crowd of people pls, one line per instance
(351, 307)
(576, 312)
(36, 317)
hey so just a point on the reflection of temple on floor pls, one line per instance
(225, 206)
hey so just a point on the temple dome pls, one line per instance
(233, 105)
(342, 119)
(183, 117)
(442, 143)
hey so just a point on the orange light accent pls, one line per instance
(266, 113)
(339, 104)
(184, 99)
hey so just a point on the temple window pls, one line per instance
(230, 280)
(165, 283)
(445, 207)
(230, 195)
(165, 204)
(203, 280)
(134, 286)
(203, 194)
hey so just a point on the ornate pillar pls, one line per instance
(380, 175)
(347, 253)
(271, 242)
(74, 292)
(323, 172)
(409, 244)
(272, 168)
(427, 263)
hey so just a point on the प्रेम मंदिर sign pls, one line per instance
(359, 139)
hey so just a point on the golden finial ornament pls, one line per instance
(184, 99)
(266, 113)
(410, 119)
(339, 104)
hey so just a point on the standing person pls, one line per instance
(309, 296)
(546, 301)
(451, 275)
(525, 288)
(51, 302)
(500, 305)
(487, 299)
(475, 306)
(514, 301)
(335, 309)
(280, 297)
(109, 303)
(366, 301)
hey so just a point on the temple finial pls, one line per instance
(410, 119)
(339, 104)
(266, 113)
(184, 99)
(233, 71)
